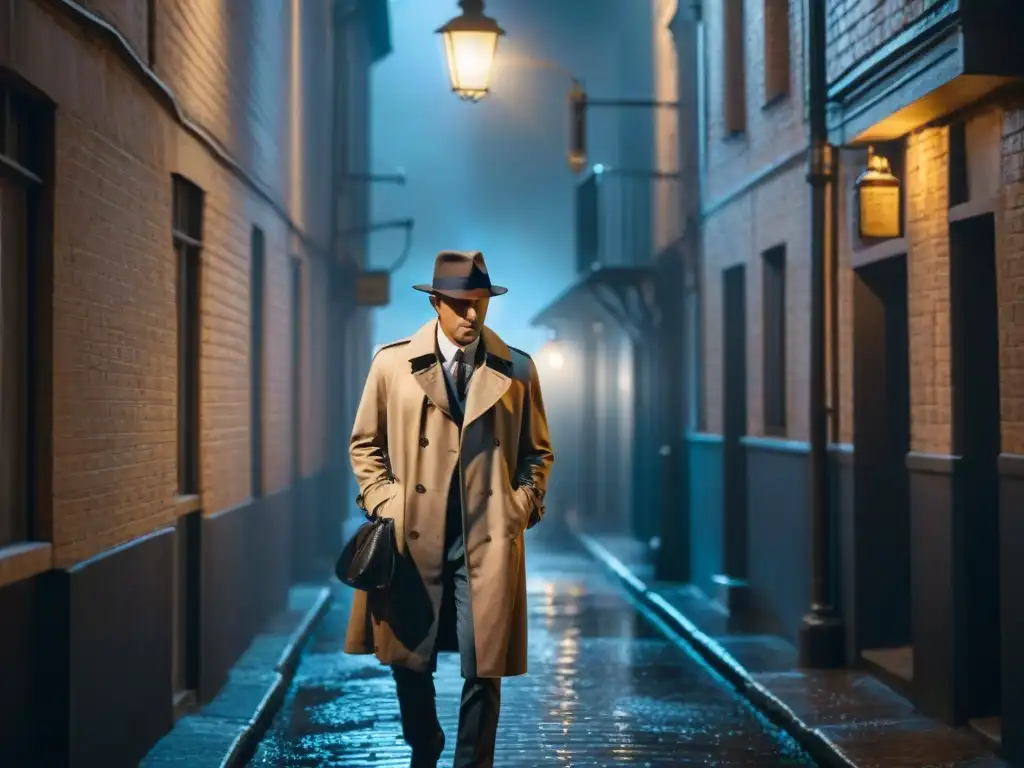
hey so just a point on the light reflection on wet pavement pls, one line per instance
(605, 688)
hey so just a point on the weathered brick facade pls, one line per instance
(857, 28)
(115, 343)
(1011, 281)
(238, 99)
(757, 199)
(927, 228)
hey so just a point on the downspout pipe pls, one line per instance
(821, 632)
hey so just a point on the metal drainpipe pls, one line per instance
(821, 629)
(702, 172)
(702, 97)
(833, 288)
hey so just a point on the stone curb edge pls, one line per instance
(245, 745)
(718, 658)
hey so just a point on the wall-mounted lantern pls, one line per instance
(577, 127)
(471, 42)
(373, 288)
(879, 214)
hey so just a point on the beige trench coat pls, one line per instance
(505, 456)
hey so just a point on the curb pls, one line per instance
(718, 658)
(226, 732)
(244, 746)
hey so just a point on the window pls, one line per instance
(257, 247)
(187, 230)
(773, 307)
(776, 50)
(734, 72)
(21, 160)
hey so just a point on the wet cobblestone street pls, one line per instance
(606, 687)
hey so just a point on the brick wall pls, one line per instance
(772, 133)
(926, 182)
(129, 17)
(773, 213)
(764, 214)
(1011, 281)
(232, 67)
(927, 212)
(115, 341)
(856, 28)
(851, 163)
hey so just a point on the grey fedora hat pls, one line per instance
(461, 275)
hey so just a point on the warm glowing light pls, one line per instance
(878, 200)
(470, 58)
(554, 355)
(471, 42)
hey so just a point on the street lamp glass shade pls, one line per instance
(471, 42)
(879, 211)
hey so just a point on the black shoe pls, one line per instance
(427, 758)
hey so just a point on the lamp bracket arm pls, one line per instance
(633, 103)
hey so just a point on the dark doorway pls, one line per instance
(976, 439)
(732, 581)
(881, 438)
(185, 606)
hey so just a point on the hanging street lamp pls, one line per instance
(471, 42)
(878, 200)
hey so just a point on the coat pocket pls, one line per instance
(520, 506)
(391, 504)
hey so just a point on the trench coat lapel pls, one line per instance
(489, 383)
(426, 369)
(491, 380)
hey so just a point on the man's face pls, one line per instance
(461, 319)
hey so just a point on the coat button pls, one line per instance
(497, 441)
(487, 538)
(489, 492)
(424, 442)
(414, 534)
(420, 489)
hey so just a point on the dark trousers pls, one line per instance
(481, 697)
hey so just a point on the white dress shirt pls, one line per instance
(448, 348)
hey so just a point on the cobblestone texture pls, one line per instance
(606, 688)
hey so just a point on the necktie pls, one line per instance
(460, 374)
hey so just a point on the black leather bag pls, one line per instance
(368, 560)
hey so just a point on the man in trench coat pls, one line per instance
(451, 442)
